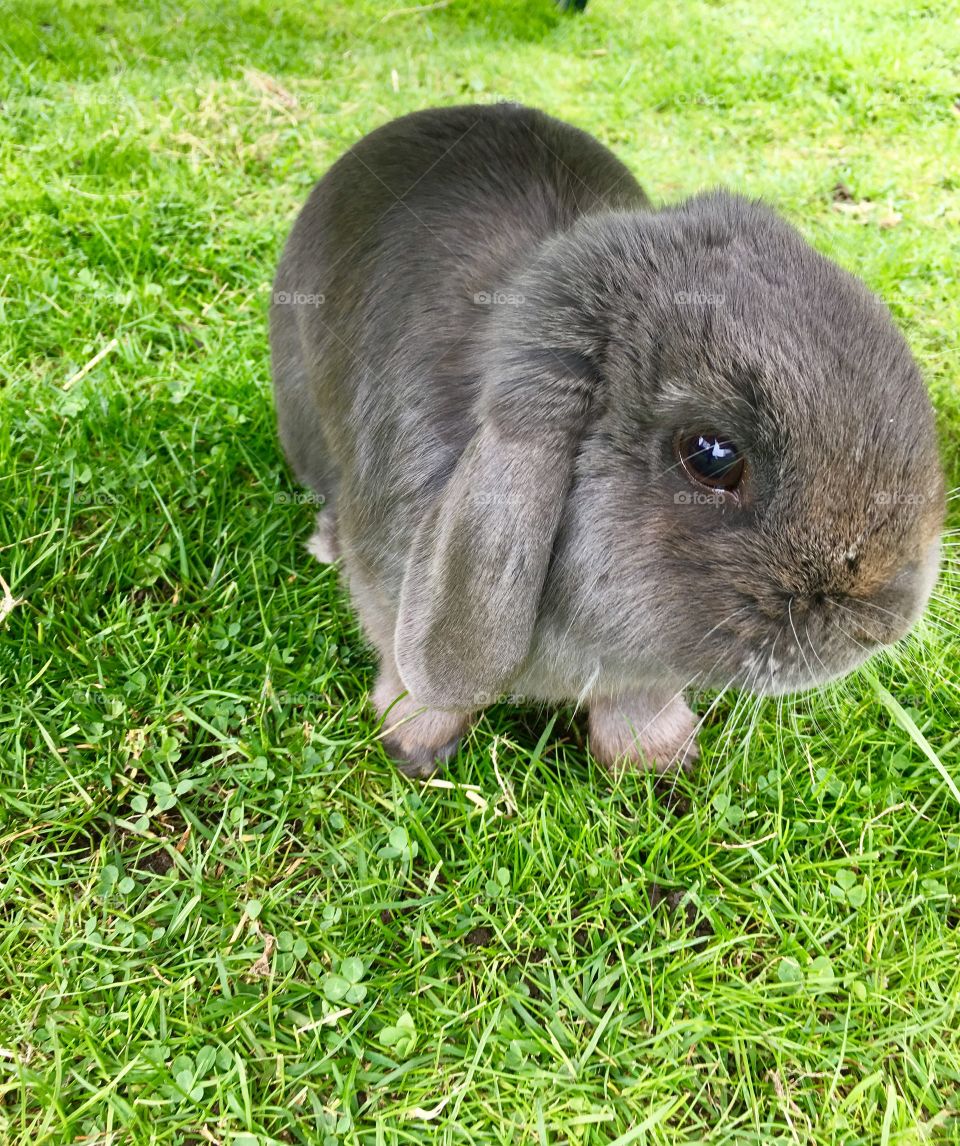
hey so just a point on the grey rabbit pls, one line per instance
(573, 448)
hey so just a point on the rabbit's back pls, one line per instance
(395, 265)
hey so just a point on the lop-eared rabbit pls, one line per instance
(573, 448)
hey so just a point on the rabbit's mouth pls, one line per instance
(801, 667)
(819, 637)
(805, 647)
(811, 652)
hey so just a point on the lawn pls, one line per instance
(225, 917)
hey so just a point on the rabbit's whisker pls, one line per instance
(796, 636)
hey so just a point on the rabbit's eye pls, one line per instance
(712, 461)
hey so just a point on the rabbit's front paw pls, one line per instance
(645, 730)
(323, 542)
(419, 739)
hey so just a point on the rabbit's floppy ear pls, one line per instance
(479, 559)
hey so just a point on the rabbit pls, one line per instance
(575, 449)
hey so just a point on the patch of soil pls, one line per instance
(479, 937)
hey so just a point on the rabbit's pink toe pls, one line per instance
(643, 731)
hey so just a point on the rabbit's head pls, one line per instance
(703, 446)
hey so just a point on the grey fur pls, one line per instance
(509, 510)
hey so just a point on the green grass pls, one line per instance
(225, 917)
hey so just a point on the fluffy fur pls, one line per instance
(486, 344)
